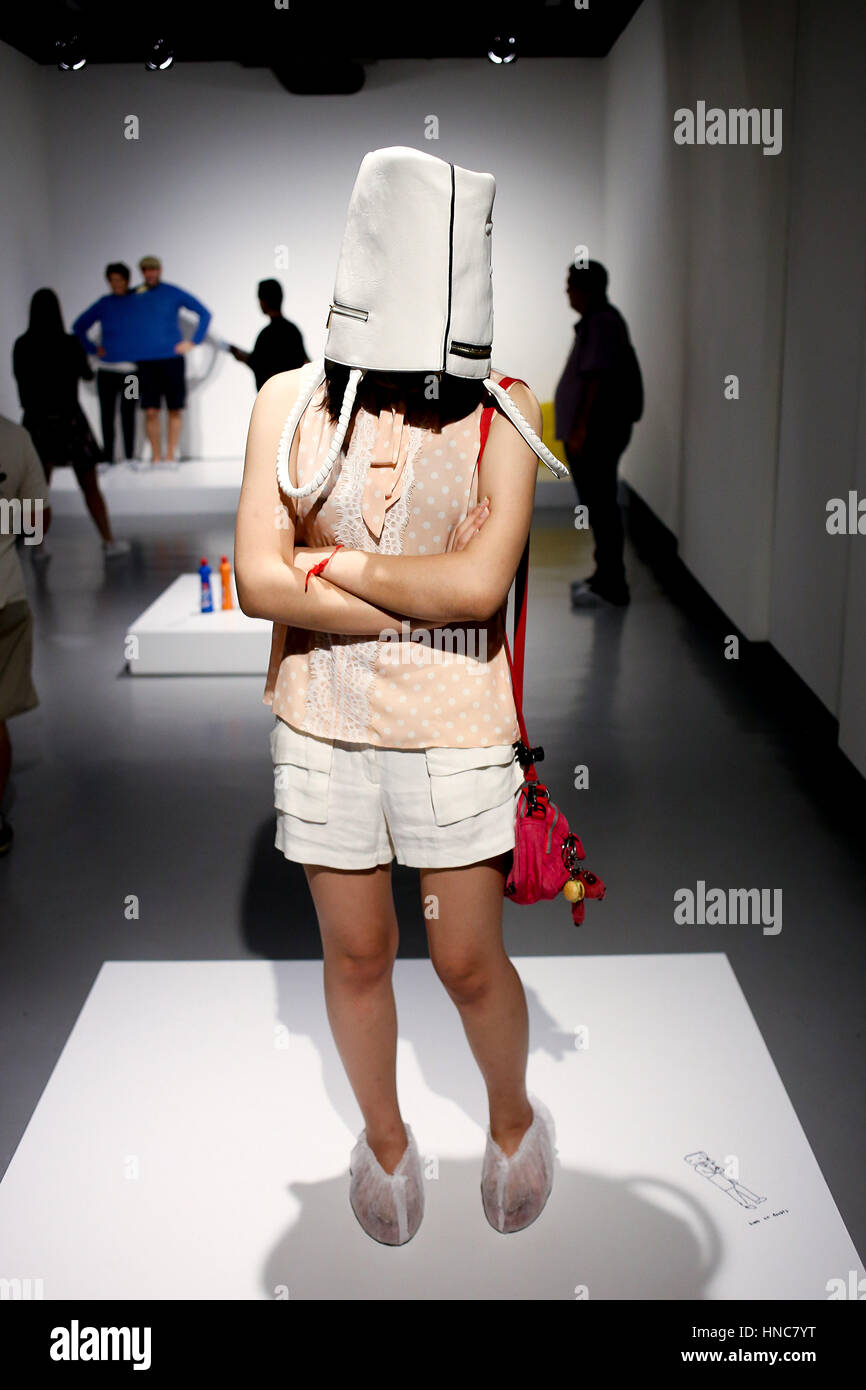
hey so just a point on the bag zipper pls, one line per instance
(349, 312)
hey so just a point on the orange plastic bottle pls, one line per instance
(226, 579)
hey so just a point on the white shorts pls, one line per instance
(356, 805)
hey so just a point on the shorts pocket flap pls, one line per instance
(444, 761)
(290, 745)
(466, 781)
(302, 772)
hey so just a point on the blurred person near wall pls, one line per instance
(24, 514)
(598, 400)
(280, 346)
(48, 364)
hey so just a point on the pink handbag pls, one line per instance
(544, 861)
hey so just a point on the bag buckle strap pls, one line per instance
(526, 756)
(537, 798)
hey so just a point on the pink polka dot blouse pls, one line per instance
(395, 489)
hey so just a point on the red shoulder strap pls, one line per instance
(520, 594)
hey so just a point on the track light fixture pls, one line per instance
(160, 57)
(70, 54)
(503, 49)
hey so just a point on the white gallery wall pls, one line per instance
(697, 235)
(643, 248)
(26, 255)
(728, 261)
(724, 260)
(852, 682)
(229, 167)
(818, 614)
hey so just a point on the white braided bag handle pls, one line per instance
(550, 460)
(307, 390)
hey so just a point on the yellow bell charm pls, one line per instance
(574, 890)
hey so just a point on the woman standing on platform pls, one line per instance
(378, 536)
(48, 364)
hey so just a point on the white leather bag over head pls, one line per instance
(413, 290)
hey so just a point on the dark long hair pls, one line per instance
(432, 399)
(46, 319)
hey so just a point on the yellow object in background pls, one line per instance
(555, 445)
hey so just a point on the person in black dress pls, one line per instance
(48, 364)
(279, 347)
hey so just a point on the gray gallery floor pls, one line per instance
(700, 769)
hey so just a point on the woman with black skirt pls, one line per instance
(48, 364)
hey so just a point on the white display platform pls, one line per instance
(174, 638)
(193, 1142)
(203, 486)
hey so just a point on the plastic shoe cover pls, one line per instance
(514, 1189)
(389, 1206)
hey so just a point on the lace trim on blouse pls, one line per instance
(342, 667)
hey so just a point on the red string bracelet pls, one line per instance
(317, 569)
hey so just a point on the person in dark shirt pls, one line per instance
(48, 364)
(279, 347)
(114, 313)
(598, 399)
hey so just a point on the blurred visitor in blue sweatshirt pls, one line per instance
(115, 313)
(160, 351)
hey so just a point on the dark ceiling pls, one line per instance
(296, 39)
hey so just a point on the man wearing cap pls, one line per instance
(161, 352)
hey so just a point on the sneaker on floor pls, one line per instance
(583, 595)
(586, 595)
(113, 548)
(389, 1206)
(515, 1189)
(6, 835)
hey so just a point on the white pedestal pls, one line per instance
(193, 1142)
(208, 487)
(174, 638)
(200, 486)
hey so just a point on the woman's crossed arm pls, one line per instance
(365, 592)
